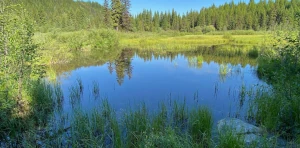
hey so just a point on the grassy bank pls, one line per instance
(277, 108)
(170, 125)
(59, 47)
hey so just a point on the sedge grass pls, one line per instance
(200, 126)
(230, 140)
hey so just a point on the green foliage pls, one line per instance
(200, 126)
(229, 37)
(67, 15)
(253, 53)
(263, 15)
(279, 110)
(116, 7)
(17, 48)
(103, 40)
(208, 29)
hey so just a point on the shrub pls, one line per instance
(208, 29)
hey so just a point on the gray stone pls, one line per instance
(238, 126)
(251, 138)
(249, 132)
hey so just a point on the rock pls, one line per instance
(250, 133)
(251, 138)
(238, 126)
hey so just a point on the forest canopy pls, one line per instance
(69, 15)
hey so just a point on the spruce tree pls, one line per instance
(126, 17)
(116, 13)
(107, 14)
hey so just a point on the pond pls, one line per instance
(222, 82)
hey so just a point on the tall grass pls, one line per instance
(179, 116)
(228, 139)
(42, 101)
(40, 106)
(160, 42)
(160, 120)
(137, 125)
(200, 126)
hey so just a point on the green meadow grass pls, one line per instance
(156, 42)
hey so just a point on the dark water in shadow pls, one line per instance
(222, 83)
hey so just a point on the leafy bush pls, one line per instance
(279, 109)
(208, 29)
(103, 39)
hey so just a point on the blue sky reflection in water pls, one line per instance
(162, 79)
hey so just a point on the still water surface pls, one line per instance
(194, 79)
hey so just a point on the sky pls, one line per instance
(181, 6)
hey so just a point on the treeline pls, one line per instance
(70, 15)
(264, 15)
(67, 15)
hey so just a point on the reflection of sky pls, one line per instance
(155, 81)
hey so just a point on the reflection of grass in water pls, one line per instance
(80, 85)
(96, 89)
(75, 94)
(195, 62)
(200, 59)
(242, 95)
(58, 94)
(192, 61)
(223, 71)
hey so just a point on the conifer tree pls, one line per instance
(107, 13)
(126, 17)
(116, 13)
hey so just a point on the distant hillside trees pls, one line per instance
(72, 15)
(264, 15)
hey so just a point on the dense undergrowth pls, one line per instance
(59, 47)
(278, 108)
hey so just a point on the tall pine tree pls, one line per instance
(126, 17)
(116, 13)
(107, 14)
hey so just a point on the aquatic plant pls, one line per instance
(137, 125)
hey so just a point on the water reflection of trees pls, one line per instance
(234, 55)
(120, 61)
(122, 65)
